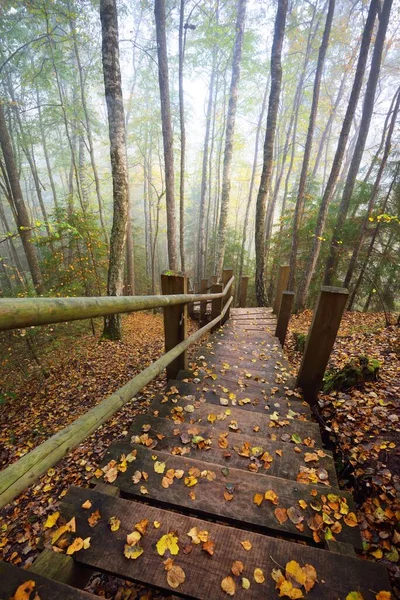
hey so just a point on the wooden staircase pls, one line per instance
(230, 463)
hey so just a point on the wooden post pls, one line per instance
(284, 316)
(214, 279)
(226, 276)
(320, 340)
(243, 291)
(216, 304)
(203, 305)
(175, 320)
(283, 279)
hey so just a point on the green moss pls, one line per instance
(355, 373)
(300, 341)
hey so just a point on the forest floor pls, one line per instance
(362, 424)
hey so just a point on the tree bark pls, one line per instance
(298, 211)
(338, 159)
(273, 105)
(159, 12)
(181, 58)
(230, 129)
(367, 111)
(118, 157)
(23, 220)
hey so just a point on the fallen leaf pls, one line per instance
(159, 467)
(281, 515)
(247, 545)
(258, 575)
(94, 518)
(271, 496)
(51, 520)
(245, 583)
(114, 523)
(208, 547)
(87, 504)
(142, 526)
(133, 552)
(24, 591)
(169, 541)
(76, 545)
(237, 567)
(228, 585)
(175, 576)
(258, 498)
(133, 538)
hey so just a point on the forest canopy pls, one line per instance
(244, 134)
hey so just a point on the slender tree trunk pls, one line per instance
(159, 12)
(230, 130)
(309, 139)
(118, 157)
(181, 58)
(203, 190)
(251, 187)
(337, 162)
(18, 266)
(273, 106)
(367, 111)
(23, 220)
(45, 150)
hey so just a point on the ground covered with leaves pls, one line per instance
(362, 425)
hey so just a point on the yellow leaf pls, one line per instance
(258, 498)
(159, 467)
(24, 590)
(157, 524)
(271, 496)
(76, 545)
(294, 570)
(169, 541)
(143, 489)
(51, 520)
(175, 576)
(247, 545)
(354, 596)
(211, 418)
(190, 481)
(132, 551)
(259, 575)
(245, 583)
(114, 523)
(86, 543)
(228, 585)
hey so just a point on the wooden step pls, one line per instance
(236, 384)
(241, 357)
(208, 495)
(337, 575)
(258, 402)
(12, 577)
(233, 449)
(273, 426)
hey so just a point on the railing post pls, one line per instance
(243, 291)
(320, 340)
(191, 305)
(203, 305)
(175, 319)
(283, 279)
(284, 316)
(216, 304)
(214, 279)
(226, 276)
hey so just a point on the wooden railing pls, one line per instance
(25, 312)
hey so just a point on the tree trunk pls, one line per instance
(309, 139)
(373, 196)
(367, 111)
(230, 129)
(118, 157)
(203, 189)
(251, 188)
(181, 57)
(273, 105)
(337, 161)
(159, 12)
(23, 221)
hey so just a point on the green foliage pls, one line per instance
(355, 373)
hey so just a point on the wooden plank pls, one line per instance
(260, 402)
(286, 460)
(243, 291)
(11, 577)
(61, 568)
(206, 498)
(283, 279)
(192, 410)
(248, 372)
(337, 575)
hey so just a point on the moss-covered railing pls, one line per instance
(25, 312)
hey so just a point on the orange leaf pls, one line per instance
(281, 515)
